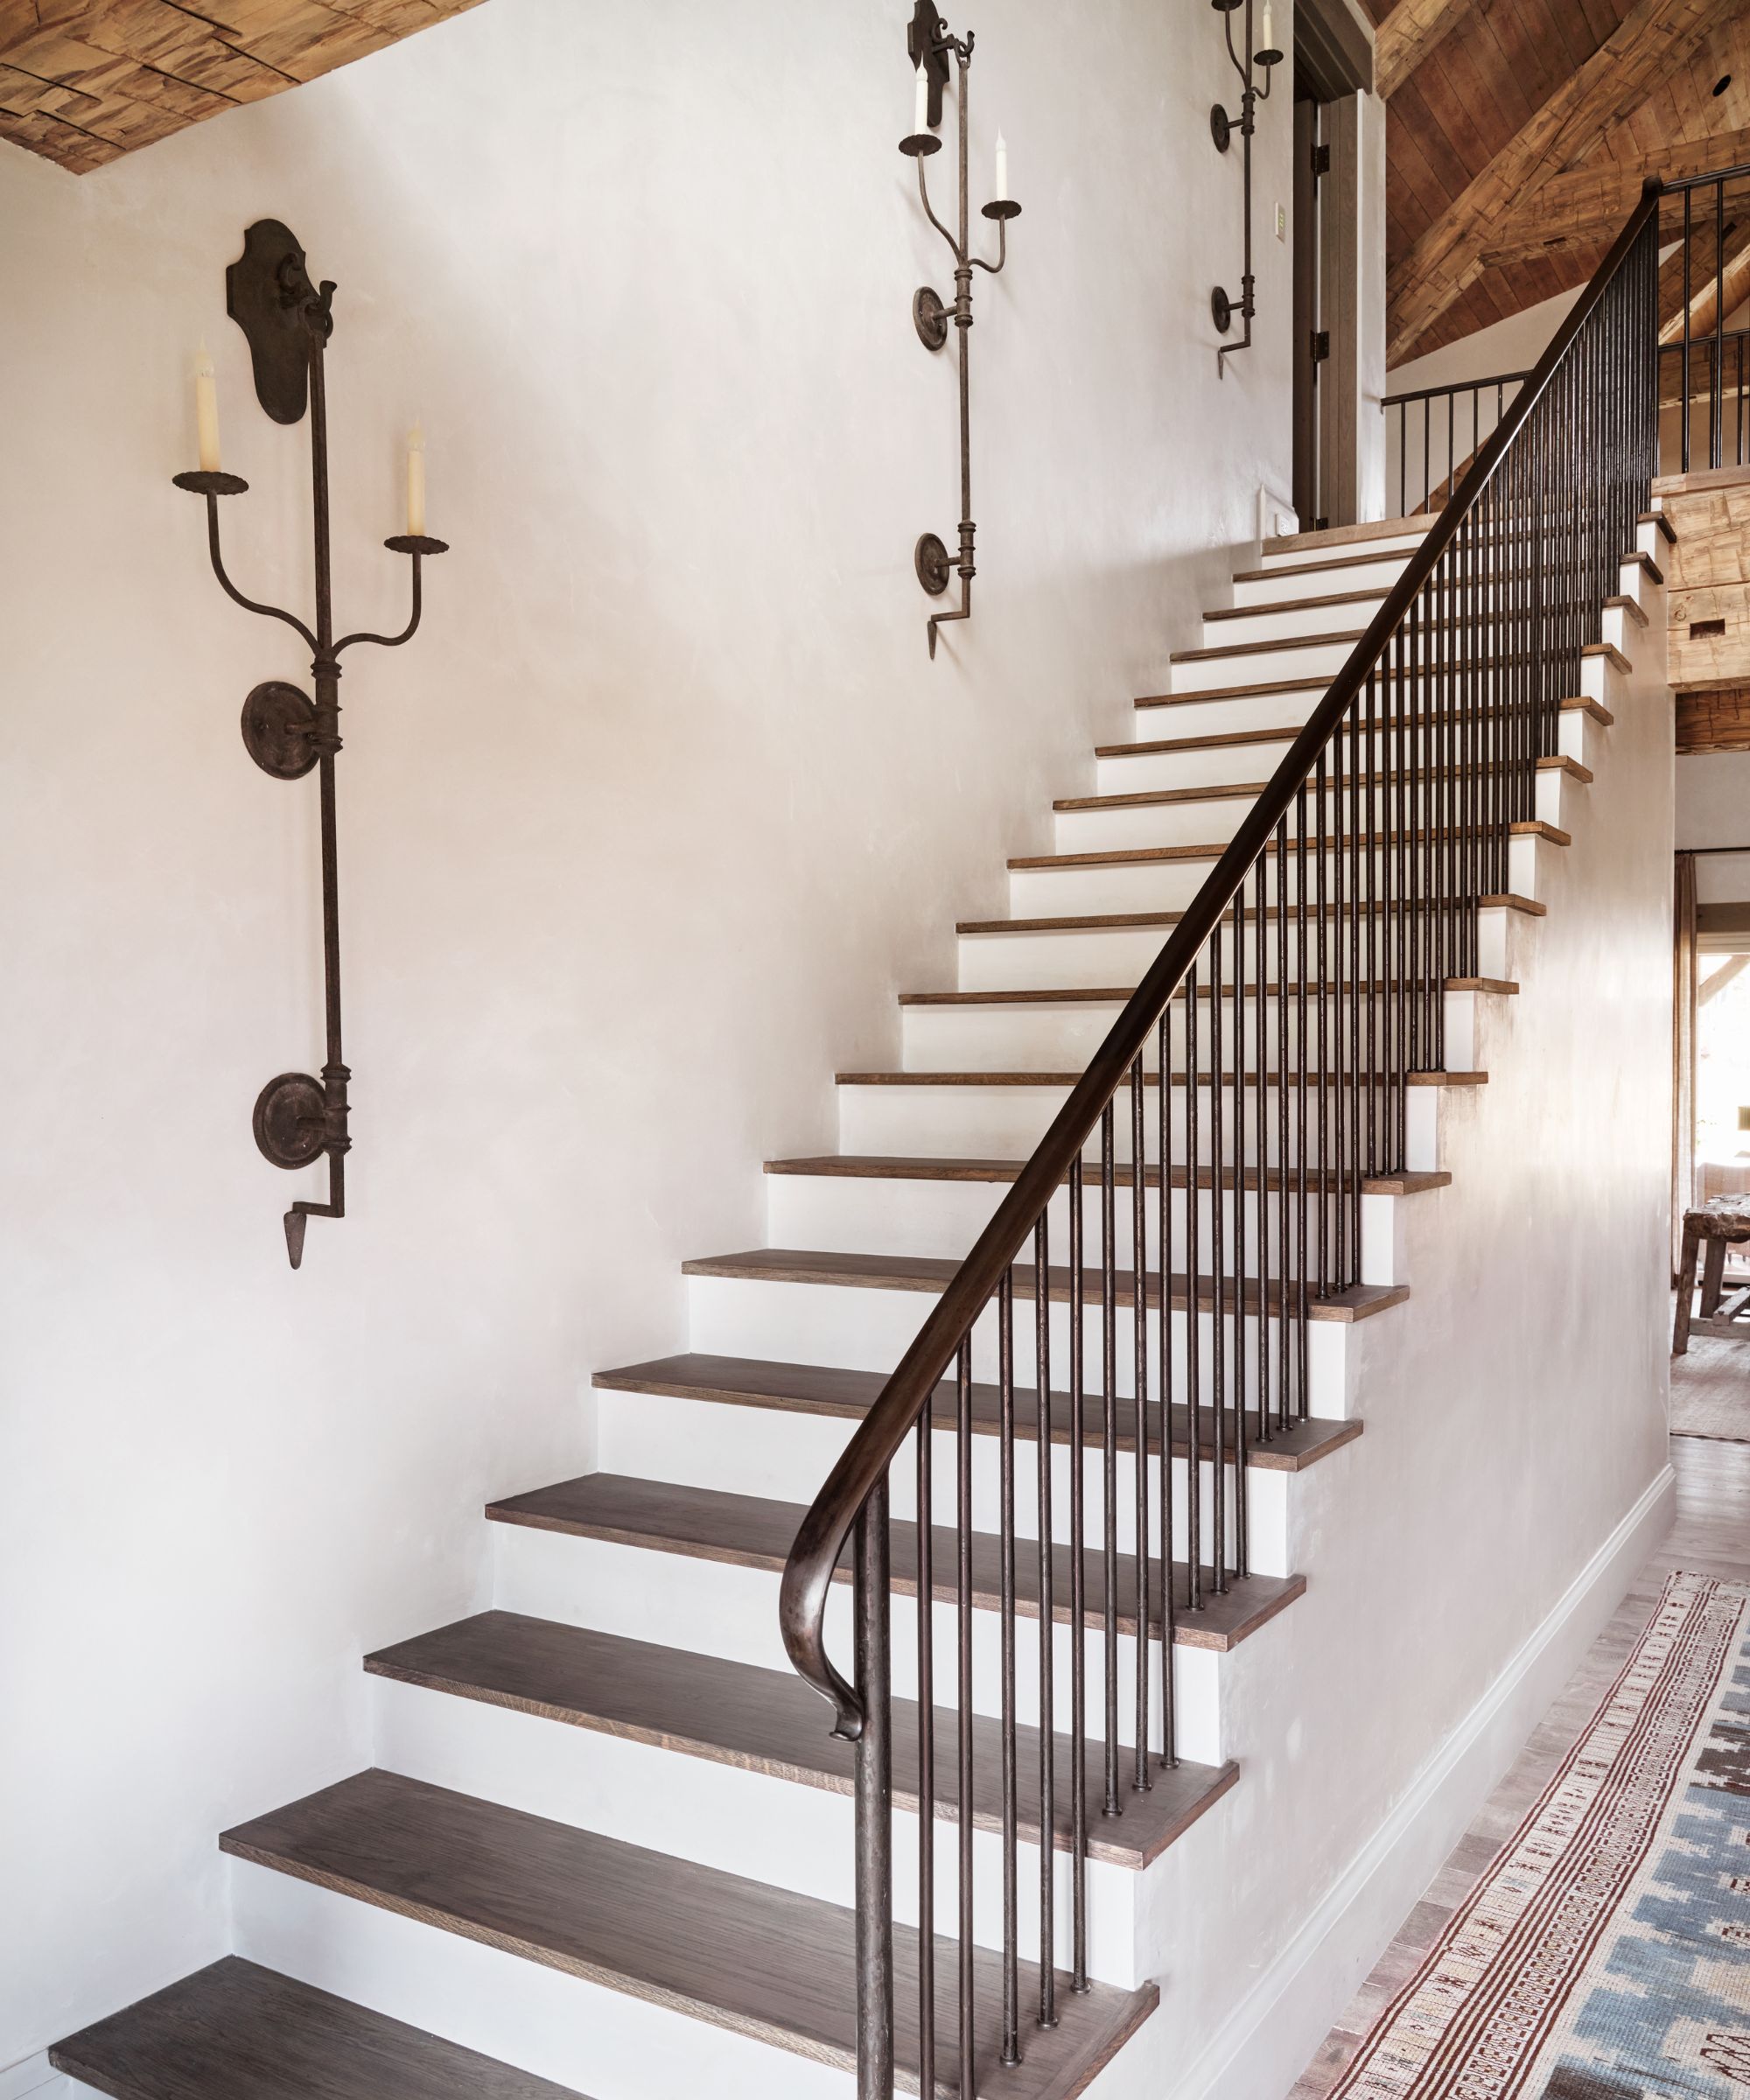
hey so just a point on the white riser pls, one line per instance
(1398, 546)
(784, 1457)
(1216, 819)
(1022, 1038)
(1007, 1122)
(1306, 619)
(1103, 957)
(1224, 765)
(555, 2026)
(1224, 716)
(939, 1220)
(712, 1608)
(1170, 885)
(1326, 582)
(1319, 660)
(869, 1330)
(769, 1829)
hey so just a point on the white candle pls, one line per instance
(205, 411)
(1269, 42)
(1001, 169)
(416, 483)
(920, 118)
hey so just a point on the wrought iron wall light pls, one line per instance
(929, 46)
(1221, 129)
(288, 322)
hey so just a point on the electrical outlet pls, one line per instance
(1282, 222)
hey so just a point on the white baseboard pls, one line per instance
(1262, 2048)
(37, 2077)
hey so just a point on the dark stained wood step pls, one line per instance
(1361, 561)
(236, 2032)
(818, 1389)
(1120, 856)
(1118, 995)
(1313, 682)
(1150, 1079)
(752, 1531)
(886, 1168)
(1077, 922)
(1213, 740)
(1375, 595)
(1164, 798)
(769, 1721)
(1410, 527)
(733, 1952)
(929, 1273)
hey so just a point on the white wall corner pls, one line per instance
(37, 2077)
(1272, 2035)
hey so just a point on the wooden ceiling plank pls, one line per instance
(1655, 36)
(1588, 205)
(1408, 35)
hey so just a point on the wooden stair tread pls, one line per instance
(1413, 526)
(1118, 995)
(752, 1531)
(1321, 681)
(237, 2032)
(1335, 842)
(1231, 791)
(769, 1721)
(883, 1167)
(933, 1273)
(733, 1952)
(1072, 922)
(1300, 605)
(1369, 726)
(1150, 1079)
(848, 1396)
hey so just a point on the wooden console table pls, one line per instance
(1720, 1223)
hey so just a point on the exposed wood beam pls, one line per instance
(1587, 206)
(1714, 282)
(1655, 36)
(1407, 35)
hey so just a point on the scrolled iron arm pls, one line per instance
(391, 641)
(904, 1401)
(249, 604)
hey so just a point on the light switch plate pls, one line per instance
(1282, 222)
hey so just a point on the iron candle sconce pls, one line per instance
(288, 322)
(1221, 129)
(929, 44)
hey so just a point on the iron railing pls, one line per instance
(1442, 427)
(1219, 1144)
(1704, 280)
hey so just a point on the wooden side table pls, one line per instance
(1719, 1224)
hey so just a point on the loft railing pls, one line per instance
(1205, 1177)
(1704, 284)
(1442, 427)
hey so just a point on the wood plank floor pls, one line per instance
(1712, 1537)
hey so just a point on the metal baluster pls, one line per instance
(1005, 1405)
(1108, 1354)
(1140, 1274)
(963, 1425)
(1286, 1328)
(1218, 1282)
(1047, 1620)
(1302, 1285)
(1078, 1606)
(1193, 1366)
(1169, 1700)
(874, 1783)
(926, 1763)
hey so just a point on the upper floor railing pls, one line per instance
(1433, 433)
(1703, 359)
(1204, 1179)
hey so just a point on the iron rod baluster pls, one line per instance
(1169, 1701)
(1270, 1367)
(1109, 1359)
(1302, 1285)
(1218, 1282)
(1078, 1609)
(925, 1762)
(1139, 1269)
(963, 1599)
(1716, 347)
(1047, 1618)
(1194, 1253)
(1242, 1542)
(1688, 232)
(874, 1783)
(1005, 1404)
(1321, 789)
(1285, 1363)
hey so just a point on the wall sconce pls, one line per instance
(928, 44)
(288, 322)
(1221, 129)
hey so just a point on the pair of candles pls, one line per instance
(921, 123)
(206, 430)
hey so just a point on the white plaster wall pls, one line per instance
(638, 838)
(1713, 809)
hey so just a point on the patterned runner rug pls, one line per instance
(1605, 1955)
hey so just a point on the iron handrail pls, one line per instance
(1453, 386)
(863, 1467)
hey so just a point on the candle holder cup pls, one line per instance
(929, 44)
(289, 322)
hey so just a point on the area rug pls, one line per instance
(1605, 1955)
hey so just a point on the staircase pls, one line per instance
(609, 1846)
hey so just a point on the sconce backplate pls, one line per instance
(1222, 308)
(277, 720)
(291, 1119)
(1221, 128)
(933, 565)
(929, 318)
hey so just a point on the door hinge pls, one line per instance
(1322, 161)
(1321, 345)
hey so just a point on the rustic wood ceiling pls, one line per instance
(1519, 133)
(84, 81)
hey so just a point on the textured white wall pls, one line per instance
(638, 838)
